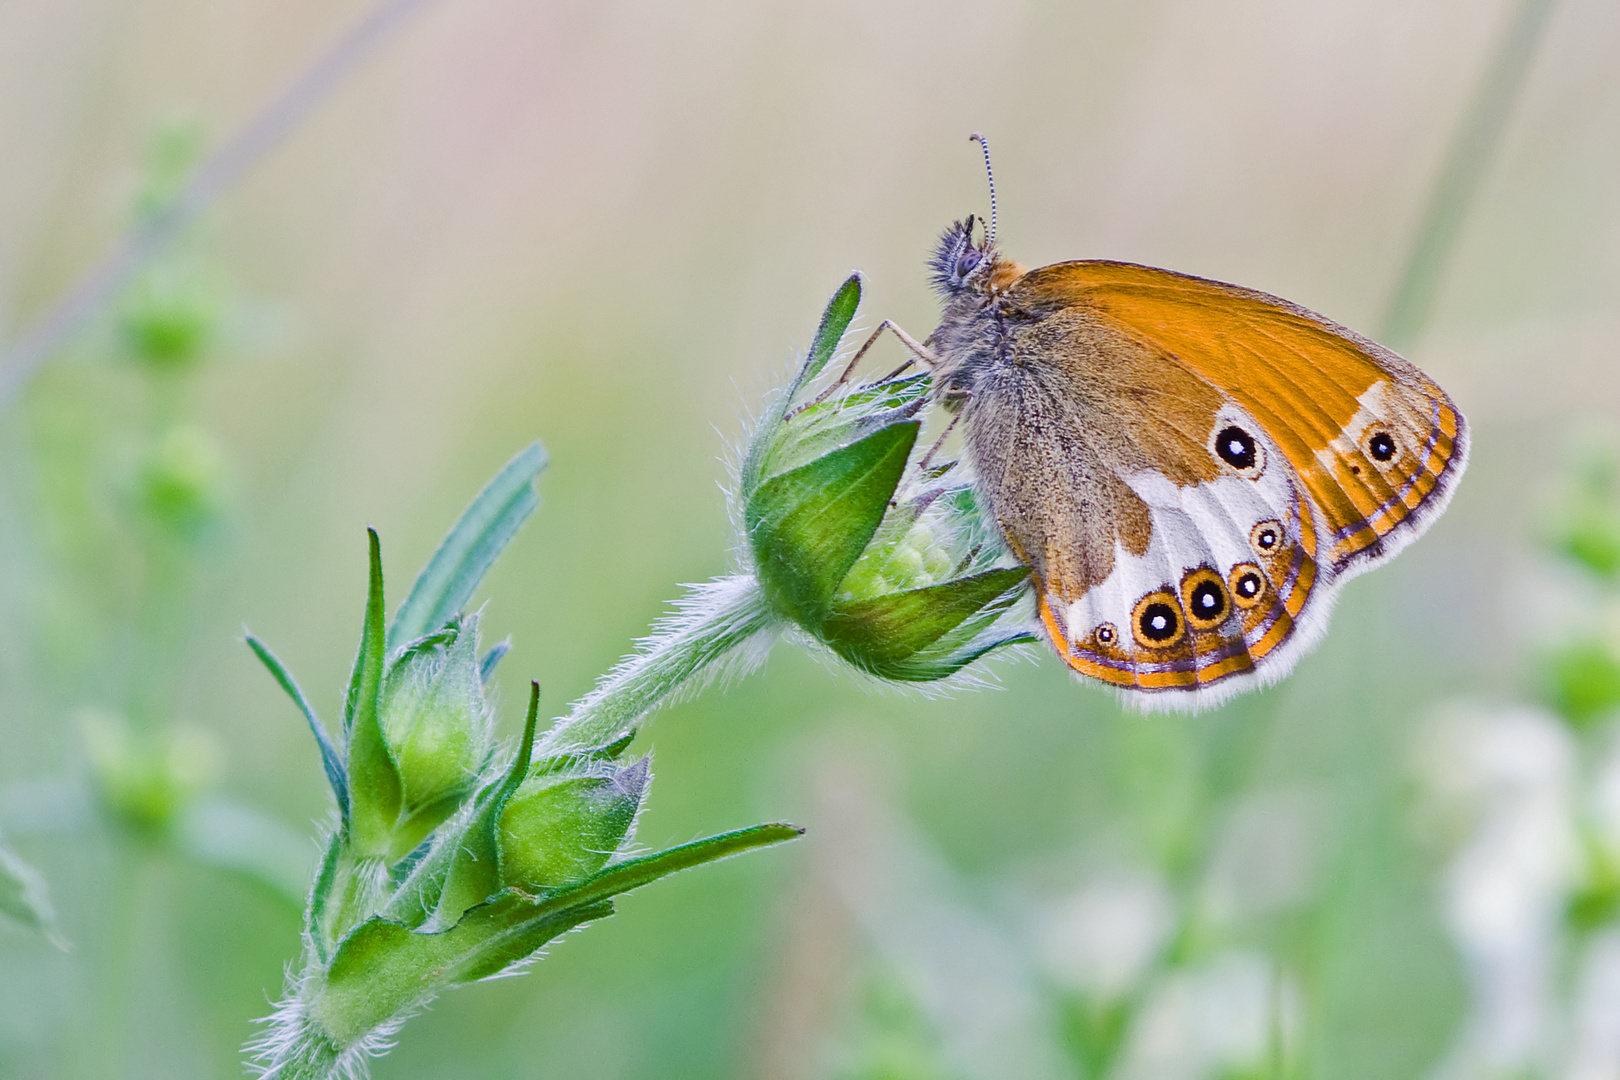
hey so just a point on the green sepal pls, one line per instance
(809, 525)
(575, 758)
(320, 921)
(835, 321)
(471, 546)
(927, 633)
(497, 652)
(336, 775)
(848, 416)
(384, 969)
(375, 790)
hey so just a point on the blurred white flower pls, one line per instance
(1225, 1016)
(1595, 1023)
(1507, 777)
(1101, 937)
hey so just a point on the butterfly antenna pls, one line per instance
(984, 143)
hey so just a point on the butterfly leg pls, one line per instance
(919, 351)
(939, 442)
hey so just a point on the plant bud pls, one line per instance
(886, 562)
(436, 724)
(558, 830)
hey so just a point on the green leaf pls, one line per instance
(465, 555)
(375, 791)
(330, 761)
(634, 873)
(809, 525)
(23, 896)
(834, 321)
(896, 636)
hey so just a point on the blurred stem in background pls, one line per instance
(165, 220)
(1464, 168)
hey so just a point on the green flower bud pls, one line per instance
(146, 781)
(885, 561)
(169, 317)
(560, 829)
(436, 722)
(182, 483)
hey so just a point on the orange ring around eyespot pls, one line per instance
(1143, 618)
(1279, 537)
(1195, 611)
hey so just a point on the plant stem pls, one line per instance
(720, 628)
(1466, 163)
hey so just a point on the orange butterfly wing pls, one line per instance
(1376, 443)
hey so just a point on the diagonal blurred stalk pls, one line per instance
(156, 231)
(1469, 157)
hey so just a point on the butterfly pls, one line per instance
(1191, 469)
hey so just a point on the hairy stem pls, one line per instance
(720, 628)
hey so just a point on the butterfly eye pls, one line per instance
(1156, 620)
(1381, 446)
(1248, 585)
(1204, 598)
(1239, 449)
(966, 262)
(1266, 538)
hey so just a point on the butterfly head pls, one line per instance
(959, 263)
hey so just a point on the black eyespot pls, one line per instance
(1106, 635)
(1381, 446)
(1248, 585)
(1266, 537)
(1236, 447)
(1159, 622)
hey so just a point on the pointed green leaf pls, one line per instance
(465, 555)
(835, 320)
(634, 873)
(330, 761)
(809, 525)
(375, 791)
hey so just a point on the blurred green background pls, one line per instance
(610, 226)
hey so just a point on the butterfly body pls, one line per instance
(1190, 468)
